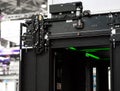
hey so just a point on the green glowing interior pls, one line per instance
(90, 49)
(72, 48)
(88, 52)
(92, 56)
(95, 49)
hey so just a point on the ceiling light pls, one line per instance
(43, 6)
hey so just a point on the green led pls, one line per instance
(72, 48)
(92, 56)
(95, 49)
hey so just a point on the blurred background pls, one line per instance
(12, 13)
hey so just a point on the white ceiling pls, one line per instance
(94, 5)
(21, 6)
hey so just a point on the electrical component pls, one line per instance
(36, 34)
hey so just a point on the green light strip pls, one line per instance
(92, 56)
(95, 49)
(72, 48)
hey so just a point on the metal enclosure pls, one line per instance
(48, 64)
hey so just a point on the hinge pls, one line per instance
(115, 37)
(114, 20)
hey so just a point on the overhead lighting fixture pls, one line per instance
(43, 5)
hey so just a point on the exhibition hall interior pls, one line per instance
(58, 29)
(12, 13)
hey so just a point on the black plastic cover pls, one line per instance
(67, 7)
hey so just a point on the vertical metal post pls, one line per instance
(102, 77)
(89, 77)
(18, 3)
(21, 25)
(115, 63)
(0, 25)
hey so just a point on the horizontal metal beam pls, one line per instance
(21, 16)
(9, 77)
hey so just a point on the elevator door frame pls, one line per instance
(42, 77)
(90, 41)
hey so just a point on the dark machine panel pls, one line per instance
(71, 51)
(42, 72)
(94, 22)
(28, 71)
(68, 7)
(115, 63)
(97, 23)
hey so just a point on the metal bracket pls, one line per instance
(115, 37)
(36, 35)
(114, 20)
(40, 35)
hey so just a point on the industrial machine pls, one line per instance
(60, 53)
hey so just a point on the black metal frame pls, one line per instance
(37, 69)
(36, 72)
